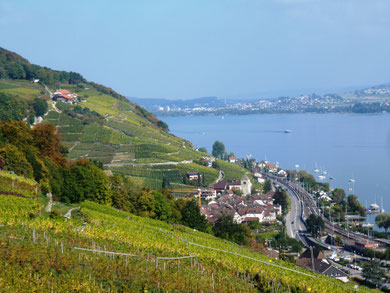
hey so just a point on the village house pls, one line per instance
(324, 196)
(259, 177)
(209, 194)
(207, 160)
(282, 173)
(232, 159)
(314, 260)
(243, 210)
(244, 185)
(64, 96)
(272, 168)
(193, 175)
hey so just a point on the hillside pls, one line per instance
(105, 126)
(101, 249)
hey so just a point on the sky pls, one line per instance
(195, 48)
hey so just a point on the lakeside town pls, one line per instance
(370, 100)
(343, 250)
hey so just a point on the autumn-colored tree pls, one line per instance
(48, 142)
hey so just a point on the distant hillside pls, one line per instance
(153, 104)
(106, 126)
(379, 90)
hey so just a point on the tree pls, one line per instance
(355, 206)
(383, 221)
(161, 124)
(85, 181)
(146, 204)
(280, 198)
(315, 224)
(14, 160)
(40, 106)
(306, 177)
(192, 217)
(227, 229)
(165, 183)
(372, 272)
(203, 150)
(267, 186)
(48, 141)
(163, 208)
(237, 191)
(338, 196)
(218, 149)
(338, 240)
(121, 198)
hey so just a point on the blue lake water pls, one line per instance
(345, 145)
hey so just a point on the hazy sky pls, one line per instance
(188, 49)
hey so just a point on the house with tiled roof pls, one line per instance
(232, 159)
(64, 98)
(313, 259)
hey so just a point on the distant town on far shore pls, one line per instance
(370, 100)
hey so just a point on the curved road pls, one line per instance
(295, 225)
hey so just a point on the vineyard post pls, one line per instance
(34, 236)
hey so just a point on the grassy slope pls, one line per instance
(53, 262)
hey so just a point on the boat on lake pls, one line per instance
(374, 209)
(287, 131)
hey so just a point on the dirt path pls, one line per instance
(69, 213)
(50, 203)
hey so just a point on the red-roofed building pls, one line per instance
(64, 96)
(232, 159)
(62, 92)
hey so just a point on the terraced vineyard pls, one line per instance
(17, 185)
(126, 144)
(113, 251)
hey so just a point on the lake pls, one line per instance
(347, 146)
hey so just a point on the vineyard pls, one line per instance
(128, 144)
(17, 185)
(113, 251)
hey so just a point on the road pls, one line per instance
(295, 225)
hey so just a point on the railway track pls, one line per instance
(310, 207)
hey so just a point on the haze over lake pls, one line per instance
(345, 145)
